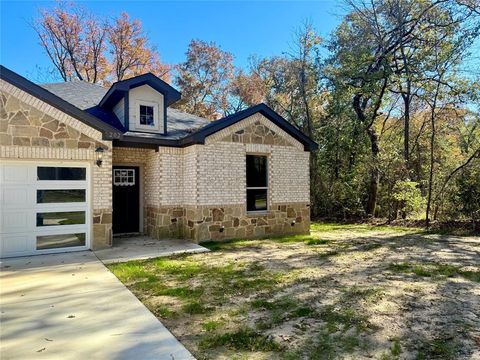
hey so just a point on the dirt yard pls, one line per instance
(345, 292)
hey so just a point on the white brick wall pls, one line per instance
(222, 168)
(152, 183)
(172, 180)
(190, 172)
(289, 175)
(221, 174)
(215, 173)
(102, 183)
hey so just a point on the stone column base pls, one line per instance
(102, 229)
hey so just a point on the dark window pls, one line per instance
(256, 199)
(257, 180)
(146, 115)
(256, 171)
(60, 196)
(60, 218)
(61, 173)
(60, 241)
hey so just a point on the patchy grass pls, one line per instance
(361, 228)
(241, 243)
(345, 291)
(318, 241)
(440, 348)
(212, 325)
(435, 270)
(245, 339)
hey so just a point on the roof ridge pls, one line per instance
(75, 81)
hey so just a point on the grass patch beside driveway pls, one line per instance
(346, 291)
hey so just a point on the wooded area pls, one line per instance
(391, 97)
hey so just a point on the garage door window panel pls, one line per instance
(61, 173)
(58, 241)
(46, 196)
(61, 218)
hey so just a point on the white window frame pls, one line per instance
(124, 180)
(267, 161)
(156, 123)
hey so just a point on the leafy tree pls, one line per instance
(131, 53)
(74, 41)
(81, 46)
(245, 90)
(383, 49)
(409, 198)
(204, 80)
(468, 196)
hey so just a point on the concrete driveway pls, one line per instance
(69, 306)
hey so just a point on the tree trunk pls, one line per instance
(359, 105)
(374, 174)
(432, 163)
(406, 129)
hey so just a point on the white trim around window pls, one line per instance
(156, 121)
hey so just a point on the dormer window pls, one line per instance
(140, 103)
(147, 115)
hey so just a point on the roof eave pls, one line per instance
(108, 132)
(120, 87)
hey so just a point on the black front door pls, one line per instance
(126, 199)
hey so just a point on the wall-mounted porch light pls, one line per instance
(99, 154)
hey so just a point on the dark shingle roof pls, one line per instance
(180, 124)
(82, 94)
(87, 96)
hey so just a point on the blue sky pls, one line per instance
(243, 28)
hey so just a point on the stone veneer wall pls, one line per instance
(32, 129)
(165, 222)
(204, 223)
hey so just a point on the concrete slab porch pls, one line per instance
(143, 247)
(70, 306)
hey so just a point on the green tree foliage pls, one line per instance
(467, 199)
(408, 198)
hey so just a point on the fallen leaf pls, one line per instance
(42, 349)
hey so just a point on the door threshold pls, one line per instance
(120, 235)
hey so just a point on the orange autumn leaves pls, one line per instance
(84, 47)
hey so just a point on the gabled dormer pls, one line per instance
(140, 103)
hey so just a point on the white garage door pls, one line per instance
(44, 208)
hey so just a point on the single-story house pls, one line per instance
(80, 163)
